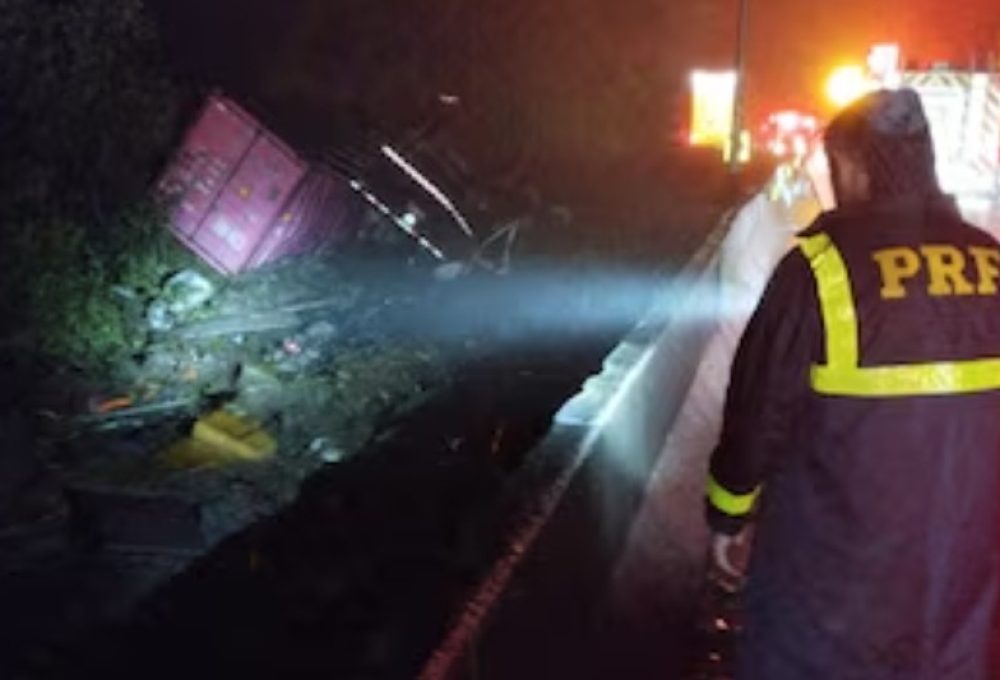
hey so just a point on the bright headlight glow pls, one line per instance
(846, 85)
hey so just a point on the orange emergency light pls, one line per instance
(846, 85)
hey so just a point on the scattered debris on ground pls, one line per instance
(238, 391)
(300, 350)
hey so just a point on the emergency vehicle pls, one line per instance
(963, 108)
(789, 135)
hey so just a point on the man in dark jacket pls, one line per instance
(862, 427)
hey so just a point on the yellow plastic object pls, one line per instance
(222, 437)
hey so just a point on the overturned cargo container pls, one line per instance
(239, 197)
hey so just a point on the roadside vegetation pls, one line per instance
(90, 113)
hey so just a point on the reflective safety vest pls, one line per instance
(842, 374)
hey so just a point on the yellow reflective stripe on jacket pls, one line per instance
(843, 376)
(836, 300)
(725, 501)
(909, 380)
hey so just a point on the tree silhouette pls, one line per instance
(87, 107)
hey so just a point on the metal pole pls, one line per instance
(740, 91)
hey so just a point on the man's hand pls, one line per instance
(730, 554)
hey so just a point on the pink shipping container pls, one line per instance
(239, 197)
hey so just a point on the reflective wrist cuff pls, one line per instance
(729, 503)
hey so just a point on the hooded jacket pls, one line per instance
(862, 435)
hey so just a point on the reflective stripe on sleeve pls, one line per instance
(729, 503)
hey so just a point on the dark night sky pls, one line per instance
(605, 75)
(793, 42)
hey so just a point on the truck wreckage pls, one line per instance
(244, 202)
(248, 376)
(240, 197)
